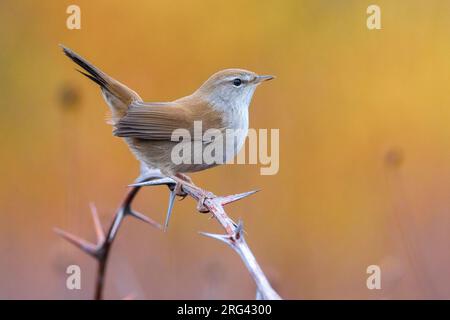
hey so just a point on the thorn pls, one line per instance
(144, 218)
(163, 181)
(239, 229)
(82, 244)
(221, 237)
(235, 197)
(172, 197)
(97, 224)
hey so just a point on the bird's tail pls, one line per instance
(117, 95)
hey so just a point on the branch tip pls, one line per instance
(80, 243)
(236, 197)
(221, 237)
(143, 218)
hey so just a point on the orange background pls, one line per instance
(364, 152)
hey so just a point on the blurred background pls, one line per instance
(364, 153)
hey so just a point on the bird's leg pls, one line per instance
(184, 179)
(180, 179)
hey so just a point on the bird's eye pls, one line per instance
(237, 82)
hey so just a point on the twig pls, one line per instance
(234, 236)
(100, 250)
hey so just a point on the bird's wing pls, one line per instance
(157, 121)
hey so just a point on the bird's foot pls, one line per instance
(180, 180)
(179, 190)
(201, 201)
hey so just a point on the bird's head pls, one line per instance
(231, 88)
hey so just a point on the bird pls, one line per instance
(221, 103)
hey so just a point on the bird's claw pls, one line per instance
(179, 191)
(201, 202)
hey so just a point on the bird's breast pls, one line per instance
(236, 133)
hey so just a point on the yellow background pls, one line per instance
(364, 153)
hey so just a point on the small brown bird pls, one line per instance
(220, 103)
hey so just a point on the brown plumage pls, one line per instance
(220, 103)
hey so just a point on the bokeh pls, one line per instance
(364, 147)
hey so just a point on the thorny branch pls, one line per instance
(207, 202)
(234, 236)
(100, 250)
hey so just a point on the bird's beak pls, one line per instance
(262, 78)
